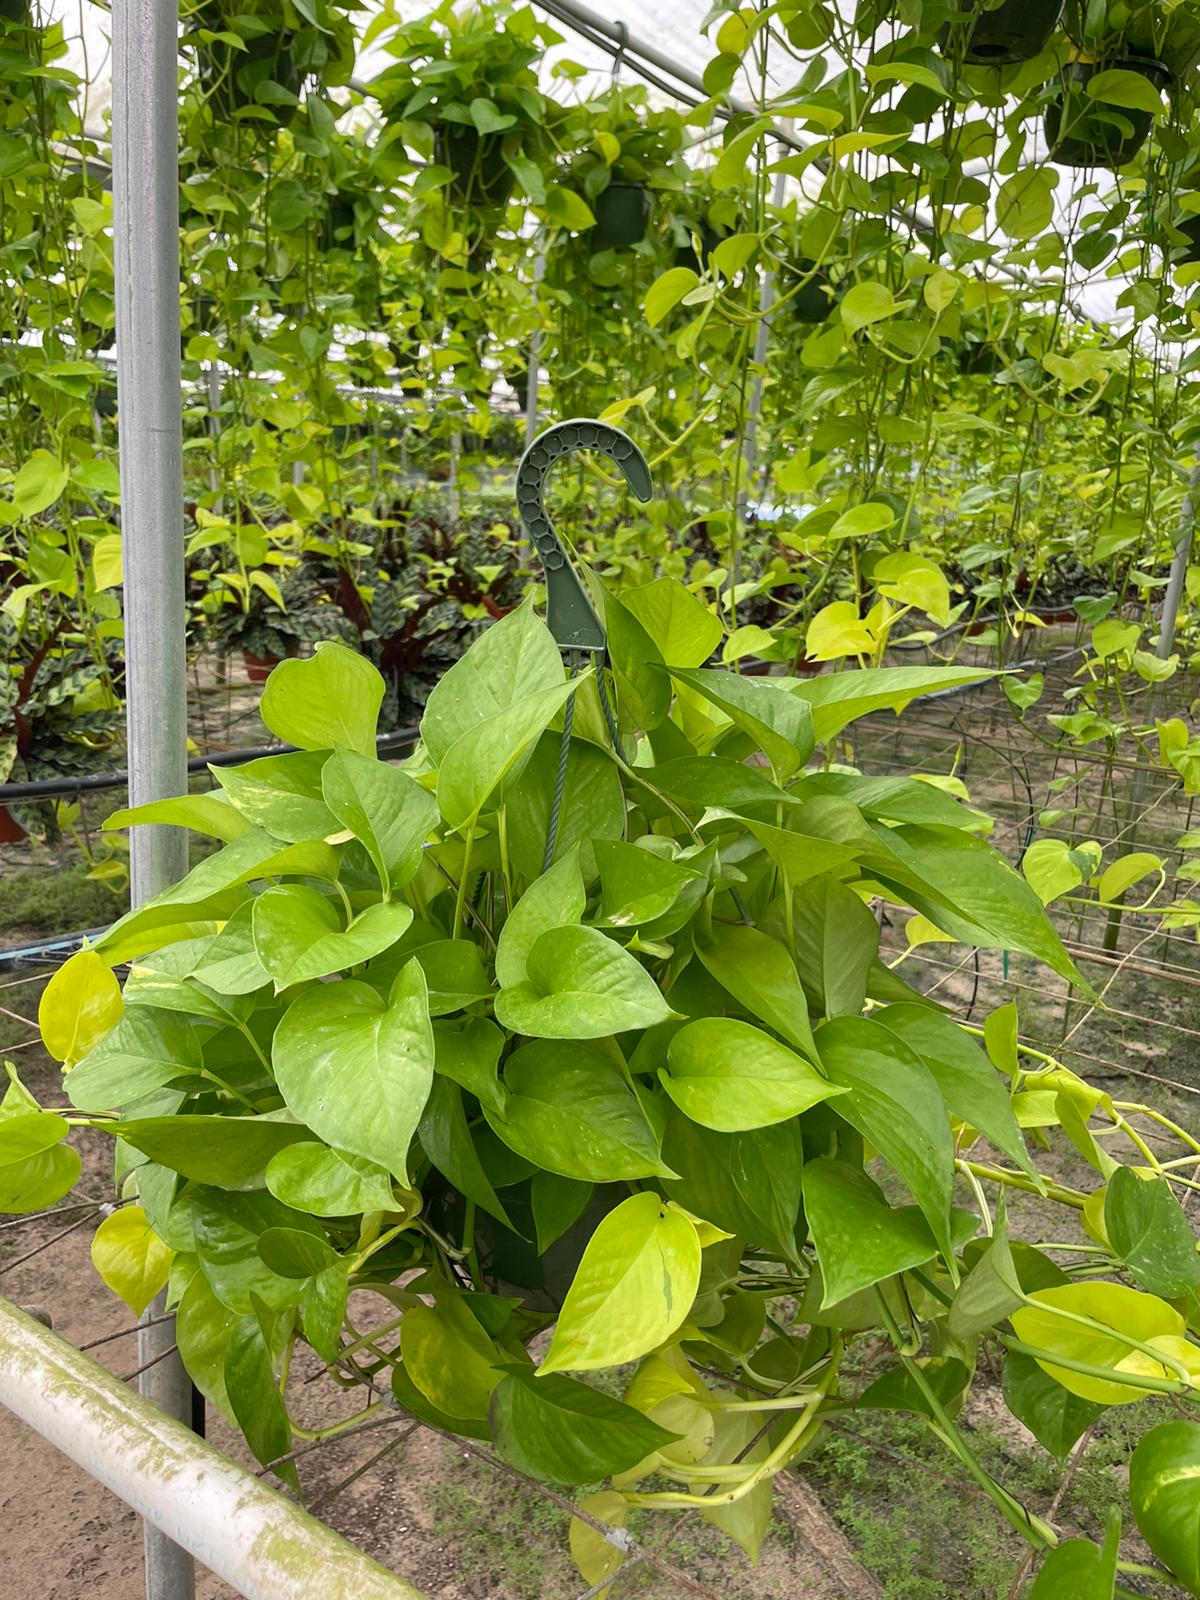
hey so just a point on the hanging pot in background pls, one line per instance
(1190, 226)
(259, 668)
(622, 213)
(1082, 132)
(814, 300)
(11, 831)
(980, 359)
(235, 76)
(710, 238)
(1015, 30)
(482, 177)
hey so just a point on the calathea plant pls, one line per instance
(628, 1089)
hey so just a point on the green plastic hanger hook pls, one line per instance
(570, 614)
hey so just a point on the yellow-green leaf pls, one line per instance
(79, 1005)
(634, 1287)
(591, 1552)
(1119, 87)
(1115, 1315)
(667, 290)
(107, 569)
(914, 581)
(131, 1258)
(838, 630)
(866, 303)
(1025, 202)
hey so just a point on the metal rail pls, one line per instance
(188, 1492)
(145, 149)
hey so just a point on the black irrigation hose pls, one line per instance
(49, 953)
(71, 941)
(53, 788)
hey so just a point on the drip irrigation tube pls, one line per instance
(49, 947)
(52, 788)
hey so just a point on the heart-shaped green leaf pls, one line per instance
(298, 933)
(634, 1287)
(356, 1068)
(328, 702)
(580, 985)
(558, 1430)
(730, 1076)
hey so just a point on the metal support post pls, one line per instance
(212, 381)
(535, 356)
(1179, 564)
(453, 497)
(766, 299)
(1132, 809)
(145, 139)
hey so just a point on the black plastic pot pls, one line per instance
(235, 75)
(814, 301)
(1190, 226)
(510, 1261)
(1082, 132)
(1014, 31)
(977, 359)
(482, 177)
(710, 238)
(341, 221)
(622, 213)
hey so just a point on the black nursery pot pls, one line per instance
(1082, 132)
(1015, 31)
(481, 174)
(710, 238)
(1189, 226)
(814, 301)
(978, 359)
(236, 74)
(622, 215)
(511, 1260)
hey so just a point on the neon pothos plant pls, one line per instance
(641, 1111)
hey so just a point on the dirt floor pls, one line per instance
(878, 1512)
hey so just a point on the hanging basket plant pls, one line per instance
(260, 77)
(627, 155)
(1104, 113)
(464, 91)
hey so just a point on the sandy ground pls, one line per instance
(428, 1511)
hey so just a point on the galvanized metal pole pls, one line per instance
(454, 500)
(766, 299)
(145, 142)
(1179, 565)
(263, 1545)
(1131, 811)
(212, 379)
(535, 356)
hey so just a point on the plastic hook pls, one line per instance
(570, 614)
